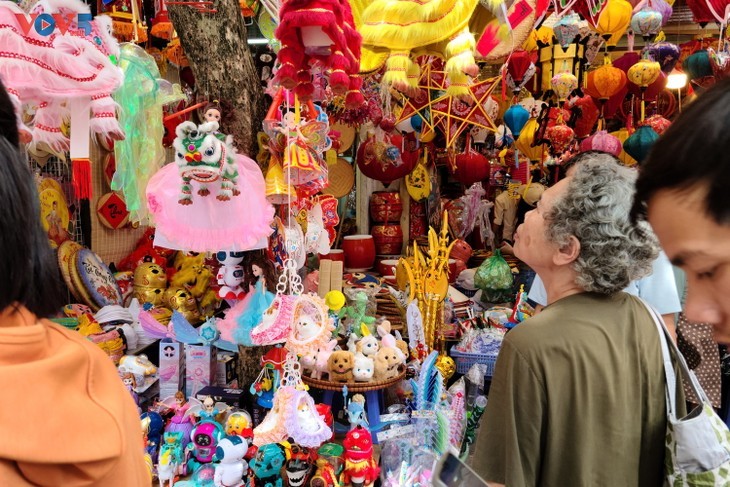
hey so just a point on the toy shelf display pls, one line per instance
(302, 295)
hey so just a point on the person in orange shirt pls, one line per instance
(65, 417)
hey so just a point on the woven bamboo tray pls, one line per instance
(326, 385)
(389, 307)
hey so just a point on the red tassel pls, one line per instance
(81, 178)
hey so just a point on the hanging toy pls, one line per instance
(230, 275)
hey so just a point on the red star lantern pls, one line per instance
(454, 115)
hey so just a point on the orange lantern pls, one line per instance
(614, 21)
(604, 82)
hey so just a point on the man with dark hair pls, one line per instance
(683, 190)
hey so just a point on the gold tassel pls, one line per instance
(458, 85)
(396, 70)
(460, 54)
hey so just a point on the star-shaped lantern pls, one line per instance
(432, 80)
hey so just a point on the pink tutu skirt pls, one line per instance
(208, 224)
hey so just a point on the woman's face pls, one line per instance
(699, 245)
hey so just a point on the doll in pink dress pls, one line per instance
(181, 420)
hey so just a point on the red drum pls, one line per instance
(388, 239)
(359, 252)
(385, 207)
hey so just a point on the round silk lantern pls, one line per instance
(664, 9)
(560, 136)
(665, 53)
(640, 142)
(658, 123)
(515, 118)
(471, 166)
(384, 158)
(587, 115)
(566, 30)
(526, 140)
(614, 21)
(563, 85)
(647, 22)
(644, 72)
(697, 65)
(651, 92)
(605, 82)
(520, 68)
(602, 141)
(622, 135)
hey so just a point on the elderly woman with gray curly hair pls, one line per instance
(577, 396)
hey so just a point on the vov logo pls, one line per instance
(45, 24)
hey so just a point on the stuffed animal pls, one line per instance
(145, 251)
(368, 345)
(340, 364)
(316, 361)
(150, 282)
(364, 368)
(195, 276)
(388, 340)
(387, 361)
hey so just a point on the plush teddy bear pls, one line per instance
(387, 361)
(341, 363)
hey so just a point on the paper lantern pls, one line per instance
(491, 107)
(385, 158)
(525, 141)
(560, 136)
(520, 68)
(614, 21)
(605, 82)
(563, 85)
(665, 53)
(515, 118)
(566, 30)
(644, 73)
(602, 141)
(538, 38)
(647, 22)
(278, 191)
(471, 166)
(503, 137)
(626, 159)
(640, 142)
(664, 8)
(587, 115)
(658, 123)
(697, 65)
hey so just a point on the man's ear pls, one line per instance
(568, 253)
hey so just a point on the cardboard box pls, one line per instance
(232, 397)
(172, 367)
(199, 368)
(226, 369)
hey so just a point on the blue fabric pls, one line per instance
(258, 302)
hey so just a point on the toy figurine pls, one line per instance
(356, 412)
(182, 418)
(239, 424)
(205, 438)
(329, 466)
(170, 459)
(266, 467)
(230, 275)
(361, 470)
(232, 467)
(298, 466)
(212, 113)
(209, 410)
(261, 281)
(155, 427)
(130, 383)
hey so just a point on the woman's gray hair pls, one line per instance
(595, 209)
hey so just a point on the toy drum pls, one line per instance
(388, 239)
(385, 207)
(359, 252)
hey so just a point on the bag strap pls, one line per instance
(668, 345)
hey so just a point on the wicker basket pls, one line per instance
(391, 309)
(464, 361)
(326, 385)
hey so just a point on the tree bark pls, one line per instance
(217, 49)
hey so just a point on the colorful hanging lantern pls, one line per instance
(563, 85)
(560, 136)
(664, 8)
(503, 137)
(566, 30)
(491, 107)
(644, 73)
(278, 191)
(665, 53)
(470, 166)
(538, 38)
(384, 158)
(520, 69)
(515, 118)
(658, 123)
(584, 115)
(697, 65)
(602, 141)
(526, 141)
(614, 21)
(622, 135)
(605, 82)
(640, 142)
(647, 22)
(719, 62)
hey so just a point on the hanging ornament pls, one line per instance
(520, 69)
(525, 143)
(643, 74)
(647, 22)
(470, 166)
(503, 137)
(278, 191)
(385, 157)
(560, 136)
(640, 142)
(664, 8)
(605, 82)
(515, 118)
(564, 84)
(491, 107)
(665, 53)
(719, 62)
(614, 21)
(584, 115)
(697, 65)
(566, 30)
(602, 141)
(658, 123)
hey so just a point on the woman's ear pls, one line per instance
(568, 253)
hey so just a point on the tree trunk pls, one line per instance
(215, 45)
(217, 49)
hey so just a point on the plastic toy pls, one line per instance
(266, 467)
(303, 423)
(205, 438)
(170, 460)
(154, 426)
(361, 470)
(230, 275)
(298, 466)
(356, 412)
(182, 419)
(209, 410)
(232, 467)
